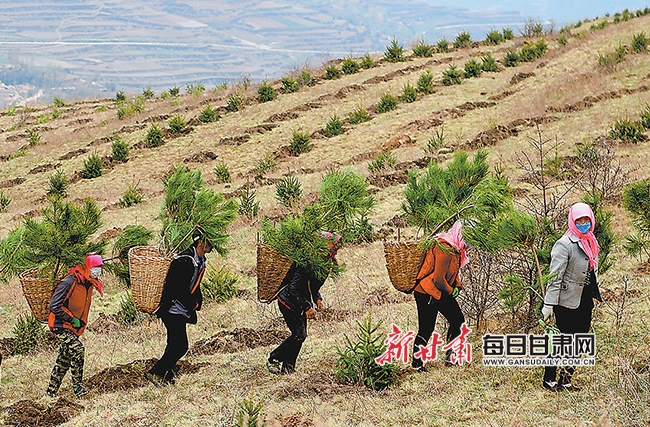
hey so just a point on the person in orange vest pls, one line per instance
(437, 286)
(68, 318)
(181, 299)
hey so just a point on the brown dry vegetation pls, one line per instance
(571, 99)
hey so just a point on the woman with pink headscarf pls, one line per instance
(436, 289)
(573, 286)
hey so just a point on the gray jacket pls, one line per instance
(569, 268)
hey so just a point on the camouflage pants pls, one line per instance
(71, 356)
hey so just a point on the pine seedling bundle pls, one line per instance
(463, 189)
(57, 241)
(342, 205)
(189, 206)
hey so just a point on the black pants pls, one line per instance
(428, 309)
(176, 348)
(287, 352)
(571, 321)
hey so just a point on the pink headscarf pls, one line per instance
(455, 238)
(588, 241)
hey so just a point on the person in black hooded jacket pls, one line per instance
(181, 299)
(301, 291)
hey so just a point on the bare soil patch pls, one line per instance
(283, 117)
(12, 182)
(74, 153)
(234, 140)
(422, 124)
(201, 157)
(263, 128)
(43, 168)
(26, 413)
(238, 339)
(520, 77)
(131, 375)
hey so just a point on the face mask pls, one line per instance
(584, 227)
(95, 272)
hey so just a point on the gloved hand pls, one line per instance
(455, 292)
(547, 310)
(311, 313)
(76, 323)
(319, 304)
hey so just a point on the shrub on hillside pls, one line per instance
(359, 115)
(33, 136)
(367, 62)
(532, 28)
(300, 143)
(462, 40)
(452, 76)
(493, 38)
(174, 91)
(442, 45)
(489, 64)
(119, 150)
(387, 102)
(332, 72)
(384, 160)
(154, 137)
(29, 335)
(640, 43)
(532, 51)
(436, 141)
(266, 164)
(234, 102)
(350, 66)
(148, 93)
(128, 314)
(219, 284)
(289, 85)
(92, 167)
(422, 49)
(636, 200)
(511, 59)
(425, 83)
(644, 119)
(562, 40)
(248, 204)
(627, 131)
(409, 93)
(177, 124)
(208, 115)
(131, 196)
(508, 34)
(334, 126)
(57, 185)
(394, 52)
(304, 78)
(4, 201)
(288, 191)
(356, 362)
(221, 173)
(472, 69)
(266, 93)
(58, 102)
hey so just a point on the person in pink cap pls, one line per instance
(573, 286)
(68, 318)
(436, 289)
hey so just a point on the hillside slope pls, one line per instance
(564, 94)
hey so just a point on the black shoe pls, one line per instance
(80, 391)
(156, 380)
(288, 368)
(570, 387)
(274, 366)
(421, 369)
(552, 386)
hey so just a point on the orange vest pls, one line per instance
(76, 304)
(439, 271)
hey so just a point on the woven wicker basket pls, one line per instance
(403, 262)
(38, 292)
(272, 268)
(148, 270)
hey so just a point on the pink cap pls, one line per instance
(94, 260)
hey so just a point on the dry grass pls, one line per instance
(615, 390)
